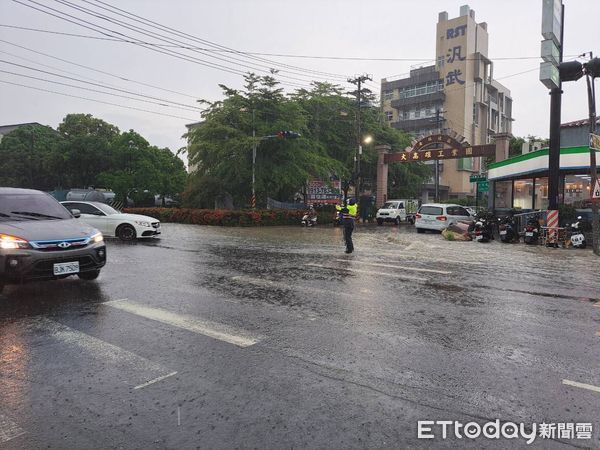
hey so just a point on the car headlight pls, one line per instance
(142, 223)
(12, 242)
(97, 238)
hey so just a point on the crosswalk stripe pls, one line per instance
(97, 348)
(370, 272)
(395, 266)
(186, 322)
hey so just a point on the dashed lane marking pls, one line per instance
(369, 272)
(185, 322)
(589, 387)
(156, 380)
(9, 429)
(395, 266)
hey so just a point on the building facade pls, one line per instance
(456, 94)
(521, 182)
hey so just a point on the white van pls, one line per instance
(397, 211)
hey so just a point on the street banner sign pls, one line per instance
(476, 178)
(483, 186)
(594, 141)
(596, 193)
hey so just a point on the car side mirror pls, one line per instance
(76, 213)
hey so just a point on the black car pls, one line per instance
(41, 240)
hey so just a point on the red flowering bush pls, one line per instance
(223, 217)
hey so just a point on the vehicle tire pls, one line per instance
(126, 232)
(397, 221)
(379, 221)
(420, 230)
(91, 275)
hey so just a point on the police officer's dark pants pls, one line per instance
(348, 229)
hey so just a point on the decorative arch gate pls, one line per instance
(432, 148)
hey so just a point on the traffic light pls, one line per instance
(288, 135)
(570, 71)
(592, 67)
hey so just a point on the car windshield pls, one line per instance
(106, 209)
(31, 206)
(389, 205)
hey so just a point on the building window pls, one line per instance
(465, 164)
(388, 95)
(523, 194)
(577, 188)
(389, 115)
(503, 192)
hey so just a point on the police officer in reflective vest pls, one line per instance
(348, 224)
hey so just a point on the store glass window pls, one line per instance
(541, 193)
(577, 188)
(503, 194)
(523, 194)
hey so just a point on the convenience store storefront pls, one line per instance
(521, 182)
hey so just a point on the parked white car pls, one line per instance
(437, 216)
(111, 222)
(396, 211)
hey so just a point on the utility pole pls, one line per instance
(253, 201)
(555, 113)
(438, 122)
(590, 74)
(358, 81)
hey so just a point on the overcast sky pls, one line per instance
(399, 29)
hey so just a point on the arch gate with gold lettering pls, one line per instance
(430, 148)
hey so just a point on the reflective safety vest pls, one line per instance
(352, 209)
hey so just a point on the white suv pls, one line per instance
(437, 216)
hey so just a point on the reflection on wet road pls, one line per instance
(273, 337)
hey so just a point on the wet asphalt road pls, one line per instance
(274, 338)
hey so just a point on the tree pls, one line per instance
(221, 149)
(31, 157)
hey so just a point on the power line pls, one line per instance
(98, 101)
(282, 55)
(210, 43)
(120, 77)
(187, 107)
(162, 37)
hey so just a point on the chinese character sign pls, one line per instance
(452, 54)
(320, 192)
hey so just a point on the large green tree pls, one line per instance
(31, 156)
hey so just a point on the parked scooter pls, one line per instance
(481, 229)
(532, 231)
(310, 218)
(507, 229)
(577, 237)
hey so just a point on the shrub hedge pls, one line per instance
(226, 217)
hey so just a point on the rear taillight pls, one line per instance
(442, 218)
(417, 216)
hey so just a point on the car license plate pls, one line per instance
(529, 233)
(66, 268)
(503, 232)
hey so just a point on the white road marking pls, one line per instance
(189, 323)
(279, 285)
(9, 429)
(370, 272)
(97, 348)
(394, 266)
(581, 385)
(156, 380)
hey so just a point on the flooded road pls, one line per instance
(274, 338)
